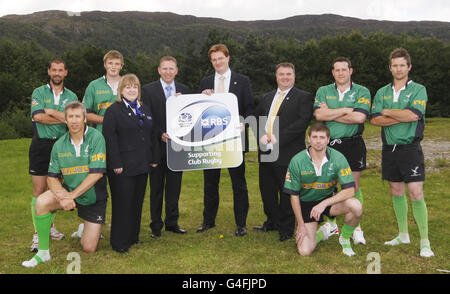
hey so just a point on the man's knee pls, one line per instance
(89, 246)
(43, 203)
(355, 207)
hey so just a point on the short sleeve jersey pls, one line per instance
(43, 97)
(302, 179)
(413, 97)
(98, 97)
(75, 167)
(358, 98)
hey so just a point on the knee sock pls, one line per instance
(344, 239)
(359, 196)
(419, 208)
(401, 213)
(347, 231)
(33, 211)
(43, 224)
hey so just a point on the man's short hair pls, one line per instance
(57, 61)
(128, 80)
(75, 105)
(218, 47)
(168, 58)
(113, 54)
(319, 127)
(342, 59)
(285, 64)
(400, 52)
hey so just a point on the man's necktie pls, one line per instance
(221, 85)
(274, 112)
(168, 91)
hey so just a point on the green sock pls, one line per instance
(33, 211)
(331, 220)
(43, 224)
(319, 236)
(421, 216)
(347, 231)
(401, 212)
(359, 196)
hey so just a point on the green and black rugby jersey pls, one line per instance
(76, 166)
(413, 97)
(302, 178)
(357, 97)
(98, 97)
(43, 97)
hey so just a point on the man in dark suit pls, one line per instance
(155, 95)
(226, 81)
(279, 140)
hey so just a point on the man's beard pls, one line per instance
(57, 83)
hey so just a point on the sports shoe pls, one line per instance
(329, 229)
(54, 234)
(346, 246)
(425, 248)
(402, 238)
(358, 237)
(79, 232)
(35, 243)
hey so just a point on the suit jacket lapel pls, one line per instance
(129, 113)
(233, 83)
(286, 100)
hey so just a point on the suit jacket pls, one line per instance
(241, 87)
(295, 115)
(153, 96)
(128, 144)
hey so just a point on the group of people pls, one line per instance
(125, 143)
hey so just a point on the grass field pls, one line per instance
(255, 253)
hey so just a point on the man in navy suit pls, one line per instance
(155, 95)
(293, 107)
(226, 81)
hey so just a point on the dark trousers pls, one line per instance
(162, 177)
(211, 178)
(127, 195)
(278, 209)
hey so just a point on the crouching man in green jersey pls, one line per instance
(79, 157)
(310, 180)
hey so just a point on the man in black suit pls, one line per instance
(226, 81)
(277, 145)
(155, 95)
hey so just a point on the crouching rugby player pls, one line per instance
(79, 157)
(310, 180)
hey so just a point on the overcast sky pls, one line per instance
(395, 10)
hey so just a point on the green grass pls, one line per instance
(255, 253)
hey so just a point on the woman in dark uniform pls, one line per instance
(132, 149)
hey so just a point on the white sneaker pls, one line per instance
(79, 232)
(358, 237)
(425, 248)
(37, 259)
(54, 234)
(402, 238)
(346, 247)
(35, 243)
(329, 229)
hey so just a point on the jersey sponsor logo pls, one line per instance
(99, 156)
(421, 102)
(387, 97)
(346, 171)
(104, 105)
(364, 100)
(319, 186)
(47, 100)
(82, 169)
(62, 155)
(331, 97)
(102, 92)
(34, 102)
(307, 172)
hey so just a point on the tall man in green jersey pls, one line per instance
(311, 179)
(47, 115)
(399, 108)
(102, 92)
(79, 156)
(344, 107)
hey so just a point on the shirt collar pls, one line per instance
(164, 84)
(227, 74)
